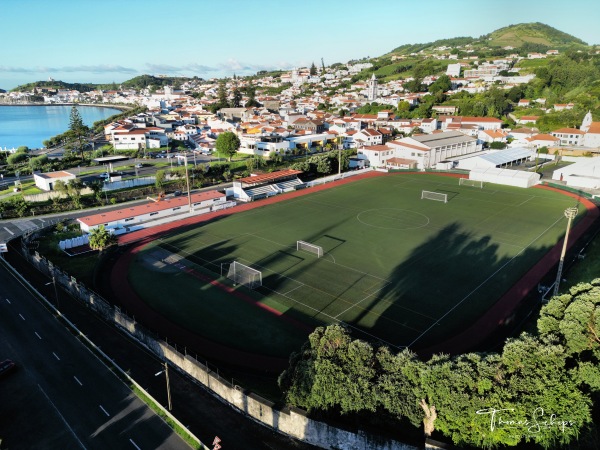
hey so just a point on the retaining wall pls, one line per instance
(292, 422)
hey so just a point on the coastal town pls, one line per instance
(356, 247)
(315, 109)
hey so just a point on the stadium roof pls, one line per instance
(441, 139)
(134, 211)
(269, 177)
(507, 156)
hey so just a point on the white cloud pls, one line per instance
(101, 68)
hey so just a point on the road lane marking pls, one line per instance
(104, 411)
(56, 356)
(9, 231)
(39, 337)
(21, 316)
(63, 419)
(8, 301)
(134, 444)
(81, 384)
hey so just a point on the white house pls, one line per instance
(542, 140)
(369, 136)
(47, 181)
(569, 136)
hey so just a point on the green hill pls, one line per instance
(534, 33)
(529, 36)
(81, 87)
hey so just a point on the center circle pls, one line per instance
(392, 219)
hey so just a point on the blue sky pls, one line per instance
(101, 41)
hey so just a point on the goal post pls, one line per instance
(438, 196)
(469, 182)
(247, 276)
(308, 247)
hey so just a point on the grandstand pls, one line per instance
(265, 185)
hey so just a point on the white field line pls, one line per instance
(104, 411)
(483, 282)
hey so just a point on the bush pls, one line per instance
(498, 145)
(16, 158)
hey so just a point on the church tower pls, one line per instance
(587, 122)
(372, 89)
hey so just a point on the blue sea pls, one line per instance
(31, 125)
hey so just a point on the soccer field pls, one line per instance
(398, 269)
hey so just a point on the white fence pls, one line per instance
(74, 242)
(124, 184)
(336, 177)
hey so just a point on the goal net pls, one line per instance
(438, 196)
(468, 182)
(244, 275)
(308, 247)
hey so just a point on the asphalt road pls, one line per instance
(62, 396)
(204, 414)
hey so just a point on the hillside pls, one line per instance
(528, 35)
(81, 87)
(535, 33)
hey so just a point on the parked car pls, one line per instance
(7, 366)
(177, 193)
(139, 165)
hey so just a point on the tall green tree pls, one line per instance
(74, 188)
(236, 102)
(227, 144)
(78, 132)
(331, 372)
(313, 69)
(251, 93)
(222, 96)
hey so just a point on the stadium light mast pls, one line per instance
(339, 155)
(570, 214)
(166, 372)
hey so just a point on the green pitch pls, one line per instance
(396, 268)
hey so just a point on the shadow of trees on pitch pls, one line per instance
(444, 285)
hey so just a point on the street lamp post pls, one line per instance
(570, 214)
(53, 282)
(166, 371)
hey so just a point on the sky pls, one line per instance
(101, 41)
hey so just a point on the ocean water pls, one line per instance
(31, 125)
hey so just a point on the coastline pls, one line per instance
(98, 105)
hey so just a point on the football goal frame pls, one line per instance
(437, 196)
(311, 248)
(469, 182)
(242, 274)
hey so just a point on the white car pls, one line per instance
(139, 165)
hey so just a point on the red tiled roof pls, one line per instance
(542, 137)
(273, 176)
(134, 211)
(568, 131)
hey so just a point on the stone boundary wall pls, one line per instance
(292, 422)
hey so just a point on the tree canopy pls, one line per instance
(227, 144)
(537, 389)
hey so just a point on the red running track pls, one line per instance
(477, 332)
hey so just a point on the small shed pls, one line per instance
(47, 181)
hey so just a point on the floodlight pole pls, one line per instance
(166, 371)
(570, 214)
(187, 180)
(339, 157)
